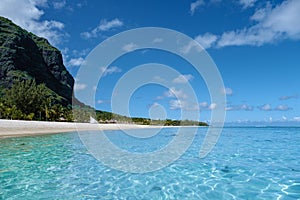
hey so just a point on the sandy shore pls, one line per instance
(18, 128)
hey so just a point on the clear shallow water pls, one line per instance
(247, 163)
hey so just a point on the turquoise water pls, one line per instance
(246, 163)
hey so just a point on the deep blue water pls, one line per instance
(246, 163)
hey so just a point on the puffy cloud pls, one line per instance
(296, 119)
(129, 47)
(176, 104)
(75, 62)
(206, 40)
(247, 3)
(284, 118)
(265, 107)
(270, 24)
(108, 25)
(79, 86)
(239, 107)
(191, 45)
(29, 16)
(227, 91)
(190, 106)
(212, 106)
(102, 27)
(206, 106)
(158, 40)
(173, 92)
(283, 108)
(196, 5)
(110, 70)
(158, 79)
(59, 4)
(270, 119)
(288, 97)
(183, 105)
(100, 101)
(183, 78)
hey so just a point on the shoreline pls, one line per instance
(21, 128)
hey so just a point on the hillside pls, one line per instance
(24, 56)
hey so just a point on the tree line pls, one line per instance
(27, 100)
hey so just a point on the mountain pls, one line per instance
(24, 56)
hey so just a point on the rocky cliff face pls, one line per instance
(24, 55)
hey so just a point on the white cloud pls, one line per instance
(158, 79)
(192, 44)
(183, 78)
(296, 119)
(196, 5)
(75, 62)
(283, 108)
(270, 119)
(158, 40)
(173, 92)
(203, 105)
(227, 91)
(28, 16)
(108, 25)
(206, 40)
(110, 70)
(265, 107)
(272, 25)
(239, 107)
(284, 118)
(129, 47)
(79, 86)
(176, 104)
(100, 101)
(282, 98)
(212, 106)
(247, 3)
(59, 4)
(155, 104)
(159, 97)
(184, 105)
(206, 106)
(102, 27)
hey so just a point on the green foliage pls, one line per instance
(29, 101)
(24, 55)
(141, 121)
(83, 113)
(104, 116)
(28, 97)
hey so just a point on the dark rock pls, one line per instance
(24, 55)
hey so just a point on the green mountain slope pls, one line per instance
(24, 56)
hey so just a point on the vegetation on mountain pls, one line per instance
(25, 56)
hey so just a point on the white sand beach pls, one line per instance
(18, 128)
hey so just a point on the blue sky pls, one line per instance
(255, 45)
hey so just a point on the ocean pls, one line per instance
(246, 163)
